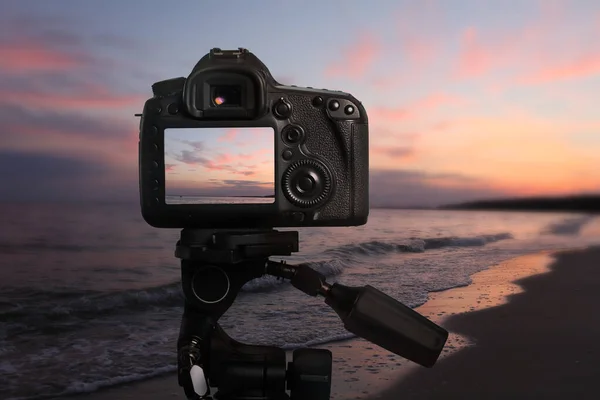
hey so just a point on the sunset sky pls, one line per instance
(466, 99)
(219, 162)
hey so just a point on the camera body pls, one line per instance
(231, 148)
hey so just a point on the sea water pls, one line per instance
(90, 294)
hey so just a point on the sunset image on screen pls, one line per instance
(219, 165)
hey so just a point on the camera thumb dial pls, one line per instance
(306, 183)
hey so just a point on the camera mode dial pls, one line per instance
(306, 183)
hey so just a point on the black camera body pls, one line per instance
(307, 151)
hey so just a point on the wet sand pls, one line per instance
(544, 343)
(499, 335)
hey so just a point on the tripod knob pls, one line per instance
(191, 375)
(210, 284)
(199, 381)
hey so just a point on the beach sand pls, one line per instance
(523, 329)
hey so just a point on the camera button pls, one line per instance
(294, 134)
(287, 155)
(317, 101)
(349, 110)
(306, 184)
(173, 108)
(282, 109)
(334, 105)
(154, 130)
(298, 216)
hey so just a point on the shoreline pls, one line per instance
(540, 343)
(362, 370)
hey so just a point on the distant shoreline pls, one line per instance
(582, 203)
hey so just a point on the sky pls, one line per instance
(219, 162)
(466, 99)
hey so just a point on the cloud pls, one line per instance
(229, 136)
(23, 128)
(44, 65)
(409, 188)
(191, 158)
(545, 50)
(386, 115)
(60, 30)
(394, 152)
(233, 182)
(442, 125)
(86, 97)
(584, 66)
(521, 152)
(475, 59)
(47, 177)
(356, 59)
(201, 156)
(197, 145)
(60, 115)
(33, 57)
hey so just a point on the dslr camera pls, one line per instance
(230, 147)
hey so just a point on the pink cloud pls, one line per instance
(215, 166)
(543, 51)
(224, 158)
(244, 156)
(395, 152)
(229, 136)
(442, 125)
(420, 50)
(478, 57)
(584, 66)
(23, 57)
(241, 164)
(91, 146)
(86, 97)
(474, 59)
(357, 58)
(387, 114)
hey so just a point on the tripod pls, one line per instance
(215, 264)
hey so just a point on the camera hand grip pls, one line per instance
(386, 322)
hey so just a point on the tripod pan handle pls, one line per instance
(384, 321)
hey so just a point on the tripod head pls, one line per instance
(215, 264)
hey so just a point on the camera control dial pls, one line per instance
(306, 183)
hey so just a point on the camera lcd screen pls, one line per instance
(219, 166)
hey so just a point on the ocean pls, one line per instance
(90, 294)
(218, 200)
